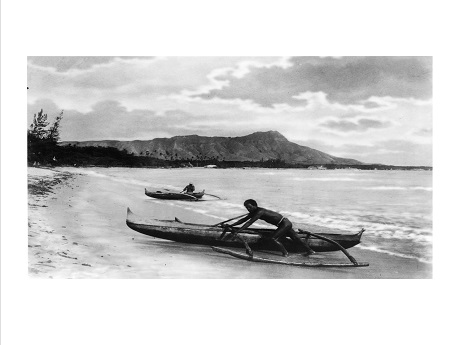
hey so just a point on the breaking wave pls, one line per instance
(326, 179)
(382, 230)
(428, 189)
(401, 255)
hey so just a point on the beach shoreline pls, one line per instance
(77, 230)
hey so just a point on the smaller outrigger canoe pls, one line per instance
(171, 195)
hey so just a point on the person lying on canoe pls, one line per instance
(284, 226)
(189, 189)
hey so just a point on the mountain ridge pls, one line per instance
(258, 146)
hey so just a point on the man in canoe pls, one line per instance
(284, 226)
(189, 189)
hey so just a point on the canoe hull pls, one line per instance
(209, 235)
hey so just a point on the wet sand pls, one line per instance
(77, 229)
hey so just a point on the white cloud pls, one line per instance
(348, 80)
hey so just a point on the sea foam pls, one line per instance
(401, 255)
(428, 189)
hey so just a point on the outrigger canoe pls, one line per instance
(175, 230)
(170, 195)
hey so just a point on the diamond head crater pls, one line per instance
(260, 149)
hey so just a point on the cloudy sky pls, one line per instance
(373, 109)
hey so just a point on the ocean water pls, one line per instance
(394, 207)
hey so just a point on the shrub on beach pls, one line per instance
(42, 139)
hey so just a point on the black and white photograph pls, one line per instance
(230, 167)
(214, 172)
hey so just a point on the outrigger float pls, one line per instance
(251, 238)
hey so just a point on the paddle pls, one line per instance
(225, 221)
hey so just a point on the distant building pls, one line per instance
(312, 167)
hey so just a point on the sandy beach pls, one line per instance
(77, 229)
